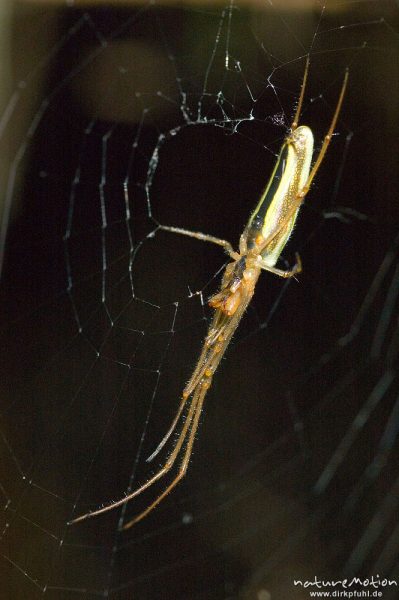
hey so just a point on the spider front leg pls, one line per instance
(280, 272)
(203, 237)
(185, 434)
(196, 407)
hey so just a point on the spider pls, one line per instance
(260, 246)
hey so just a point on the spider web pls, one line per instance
(159, 115)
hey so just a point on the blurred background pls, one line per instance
(116, 117)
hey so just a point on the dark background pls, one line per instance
(254, 511)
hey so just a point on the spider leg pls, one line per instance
(216, 333)
(198, 403)
(281, 273)
(326, 141)
(203, 237)
(204, 360)
(198, 385)
(170, 430)
(302, 94)
(162, 471)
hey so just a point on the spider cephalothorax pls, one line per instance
(237, 281)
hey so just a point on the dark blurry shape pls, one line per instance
(144, 71)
